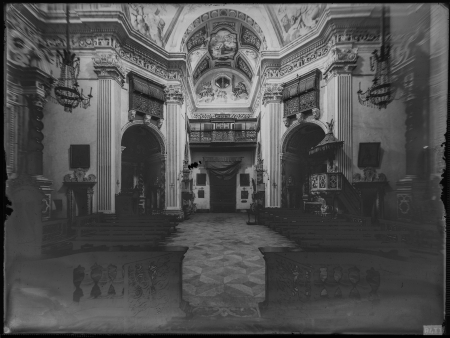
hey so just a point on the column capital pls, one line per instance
(174, 94)
(340, 60)
(109, 66)
(272, 92)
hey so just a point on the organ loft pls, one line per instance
(224, 167)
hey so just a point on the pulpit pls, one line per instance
(79, 193)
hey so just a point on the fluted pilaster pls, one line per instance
(337, 72)
(270, 142)
(175, 136)
(110, 80)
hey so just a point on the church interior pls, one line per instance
(225, 168)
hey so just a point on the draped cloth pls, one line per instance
(223, 169)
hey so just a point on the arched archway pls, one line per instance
(142, 170)
(296, 165)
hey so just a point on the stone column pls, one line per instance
(174, 101)
(270, 141)
(110, 81)
(338, 75)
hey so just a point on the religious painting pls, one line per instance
(369, 155)
(297, 20)
(152, 20)
(223, 45)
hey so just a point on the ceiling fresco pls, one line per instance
(222, 87)
(153, 20)
(223, 45)
(294, 20)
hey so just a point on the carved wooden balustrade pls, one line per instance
(326, 182)
(319, 290)
(222, 136)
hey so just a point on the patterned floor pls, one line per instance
(223, 267)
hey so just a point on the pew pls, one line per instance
(117, 235)
(350, 290)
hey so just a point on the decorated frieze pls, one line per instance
(173, 94)
(248, 38)
(244, 67)
(317, 51)
(272, 92)
(215, 116)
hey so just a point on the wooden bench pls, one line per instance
(159, 224)
(117, 235)
(293, 225)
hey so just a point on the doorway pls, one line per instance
(223, 194)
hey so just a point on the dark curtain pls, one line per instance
(223, 170)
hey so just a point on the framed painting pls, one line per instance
(80, 156)
(369, 154)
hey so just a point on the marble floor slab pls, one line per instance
(223, 266)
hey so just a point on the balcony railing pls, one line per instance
(217, 136)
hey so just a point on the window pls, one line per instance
(201, 179)
(244, 195)
(245, 180)
(201, 194)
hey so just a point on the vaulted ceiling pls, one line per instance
(222, 42)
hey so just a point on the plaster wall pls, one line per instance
(61, 129)
(246, 168)
(388, 127)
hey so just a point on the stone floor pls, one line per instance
(223, 267)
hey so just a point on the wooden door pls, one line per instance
(223, 194)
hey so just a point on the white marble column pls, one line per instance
(175, 153)
(270, 142)
(340, 95)
(110, 81)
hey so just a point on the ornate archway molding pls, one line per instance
(159, 136)
(294, 127)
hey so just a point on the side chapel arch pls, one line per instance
(294, 127)
(154, 129)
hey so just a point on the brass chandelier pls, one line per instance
(382, 92)
(66, 89)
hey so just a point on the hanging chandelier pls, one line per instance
(382, 92)
(66, 89)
